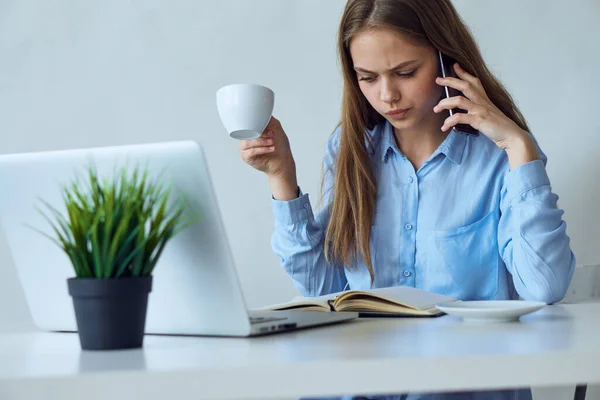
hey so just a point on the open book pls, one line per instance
(389, 301)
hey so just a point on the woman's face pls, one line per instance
(396, 74)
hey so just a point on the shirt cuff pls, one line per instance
(292, 211)
(525, 178)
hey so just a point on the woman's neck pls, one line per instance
(419, 143)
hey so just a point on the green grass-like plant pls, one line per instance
(116, 228)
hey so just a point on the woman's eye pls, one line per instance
(406, 75)
(398, 74)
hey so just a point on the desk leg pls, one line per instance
(580, 391)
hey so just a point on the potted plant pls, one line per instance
(114, 232)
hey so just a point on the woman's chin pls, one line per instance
(401, 124)
(416, 121)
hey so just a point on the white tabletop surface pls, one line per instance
(558, 345)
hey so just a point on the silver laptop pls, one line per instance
(195, 291)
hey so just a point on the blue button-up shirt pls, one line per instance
(463, 225)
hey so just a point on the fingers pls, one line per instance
(254, 152)
(455, 83)
(462, 74)
(454, 102)
(263, 141)
(473, 91)
(459, 118)
(273, 124)
(251, 149)
(271, 127)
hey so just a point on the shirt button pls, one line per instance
(305, 205)
(406, 273)
(408, 226)
(410, 179)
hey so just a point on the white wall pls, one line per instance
(109, 72)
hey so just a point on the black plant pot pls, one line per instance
(110, 313)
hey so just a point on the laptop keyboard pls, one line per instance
(260, 320)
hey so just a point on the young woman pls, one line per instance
(408, 199)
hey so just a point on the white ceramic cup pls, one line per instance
(245, 109)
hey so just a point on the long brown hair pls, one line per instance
(433, 23)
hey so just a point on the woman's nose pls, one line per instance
(389, 93)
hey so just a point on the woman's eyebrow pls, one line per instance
(402, 64)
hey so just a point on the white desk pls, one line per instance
(559, 345)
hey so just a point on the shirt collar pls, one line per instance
(452, 147)
(388, 142)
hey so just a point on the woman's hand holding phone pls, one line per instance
(481, 113)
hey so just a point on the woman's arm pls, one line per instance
(532, 236)
(299, 235)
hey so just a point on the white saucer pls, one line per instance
(491, 310)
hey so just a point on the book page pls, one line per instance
(403, 295)
(303, 303)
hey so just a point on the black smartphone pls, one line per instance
(447, 70)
